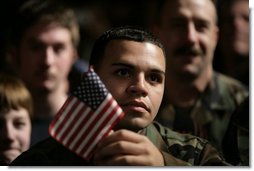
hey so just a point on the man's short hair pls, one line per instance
(45, 11)
(120, 33)
(159, 7)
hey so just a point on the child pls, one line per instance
(15, 118)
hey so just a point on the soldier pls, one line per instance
(197, 100)
(132, 64)
(236, 140)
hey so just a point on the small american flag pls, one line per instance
(86, 117)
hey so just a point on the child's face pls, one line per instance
(134, 74)
(15, 132)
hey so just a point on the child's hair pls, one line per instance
(14, 94)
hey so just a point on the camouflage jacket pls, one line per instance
(209, 117)
(182, 149)
(236, 141)
(177, 150)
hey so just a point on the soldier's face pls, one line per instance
(134, 74)
(188, 32)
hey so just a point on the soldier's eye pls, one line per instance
(123, 72)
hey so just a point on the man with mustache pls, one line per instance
(197, 99)
(131, 63)
(44, 49)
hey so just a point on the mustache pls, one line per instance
(188, 50)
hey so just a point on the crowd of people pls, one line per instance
(182, 82)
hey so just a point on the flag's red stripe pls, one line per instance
(59, 114)
(76, 125)
(116, 115)
(99, 129)
(68, 135)
(88, 122)
(88, 156)
(92, 141)
(67, 123)
(67, 116)
(80, 126)
(72, 122)
(90, 127)
(63, 112)
(74, 138)
(54, 127)
(85, 134)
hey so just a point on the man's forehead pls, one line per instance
(143, 54)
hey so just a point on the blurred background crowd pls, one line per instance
(231, 56)
(96, 16)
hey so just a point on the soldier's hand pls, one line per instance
(123, 147)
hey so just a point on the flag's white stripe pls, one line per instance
(102, 132)
(63, 114)
(69, 120)
(79, 121)
(95, 127)
(87, 123)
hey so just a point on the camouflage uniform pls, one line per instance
(177, 150)
(182, 149)
(236, 141)
(209, 117)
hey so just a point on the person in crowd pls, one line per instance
(16, 107)
(131, 63)
(232, 53)
(236, 140)
(44, 48)
(197, 99)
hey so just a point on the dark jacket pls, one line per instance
(177, 150)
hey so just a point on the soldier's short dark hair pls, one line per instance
(120, 33)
